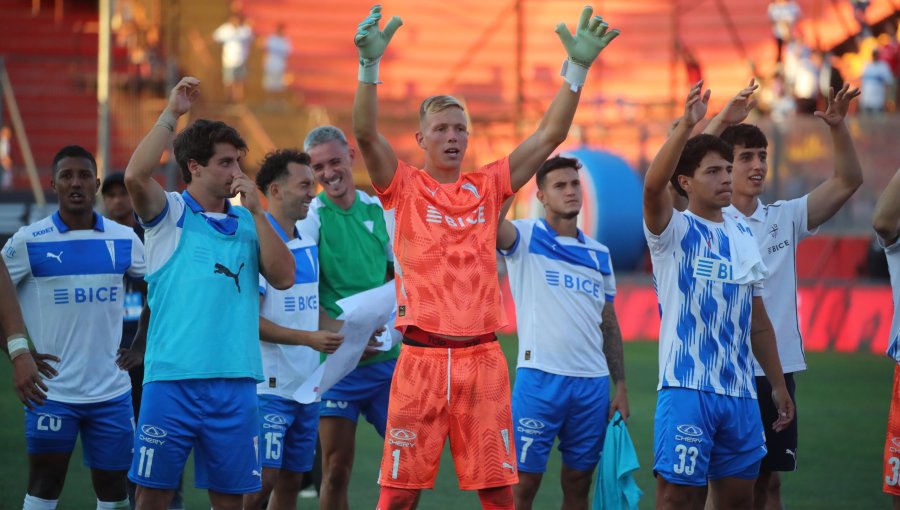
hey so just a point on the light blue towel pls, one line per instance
(616, 488)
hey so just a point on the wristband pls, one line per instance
(574, 73)
(167, 120)
(368, 70)
(17, 345)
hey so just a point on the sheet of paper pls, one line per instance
(363, 313)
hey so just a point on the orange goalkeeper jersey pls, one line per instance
(445, 248)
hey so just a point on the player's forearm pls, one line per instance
(275, 260)
(715, 126)
(365, 114)
(275, 334)
(663, 165)
(327, 323)
(764, 346)
(886, 220)
(11, 320)
(612, 345)
(147, 154)
(139, 343)
(847, 169)
(554, 127)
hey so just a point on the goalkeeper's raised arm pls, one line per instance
(592, 35)
(371, 42)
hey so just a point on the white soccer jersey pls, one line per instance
(778, 227)
(71, 288)
(704, 338)
(560, 285)
(893, 260)
(285, 367)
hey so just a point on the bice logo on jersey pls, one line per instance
(63, 296)
(433, 215)
(575, 283)
(713, 269)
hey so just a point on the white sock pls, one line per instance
(113, 505)
(33, 503)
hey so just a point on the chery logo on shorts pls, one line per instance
(691, 433)
(530, 426)
(403, 437)
(531, 423)
(152, 434)
(153, 431)
(275, 419)
(896, 445)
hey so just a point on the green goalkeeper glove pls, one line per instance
(592, 35)
(371, 42)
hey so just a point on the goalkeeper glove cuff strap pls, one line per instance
(574, 73)
(368, 70)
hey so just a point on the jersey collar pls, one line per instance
(227, 225)
(578, 233)
(280, 231)
(62, 228)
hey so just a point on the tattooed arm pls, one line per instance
(615, 359)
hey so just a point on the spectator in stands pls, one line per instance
(784, 15)
(6, 172)
(875, 82)
(859, 14)
(278, 49)
(235, 35)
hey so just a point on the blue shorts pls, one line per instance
(547, 405)
(701, 436)
(217, 418)
(107, 431)
(364, 390)
(288, 432)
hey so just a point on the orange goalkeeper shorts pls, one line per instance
(460, 393)
(891, 480)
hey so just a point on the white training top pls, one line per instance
(71, 288)
(286, 367)
(560, 285)
(893, 260)
(778, 228)
(704, 333)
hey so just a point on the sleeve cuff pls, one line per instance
(155, 221)
(515, 245)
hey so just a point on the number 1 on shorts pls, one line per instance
(396, 467)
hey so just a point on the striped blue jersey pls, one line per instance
(560, 285)
(70, 285)
(704, 338)
(893, 260)
(285, 367)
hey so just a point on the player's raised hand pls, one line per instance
(785, 407)
(739, 106)
(591, 36)
(696, 105)
(183, 96)
(370, 40)
(837, 105)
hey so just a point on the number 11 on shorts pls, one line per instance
(146, 463)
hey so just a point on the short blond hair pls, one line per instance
(435, 104)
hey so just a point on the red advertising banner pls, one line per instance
(842, 318)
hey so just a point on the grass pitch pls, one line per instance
(842, 400)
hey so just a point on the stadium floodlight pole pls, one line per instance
(103, 70)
